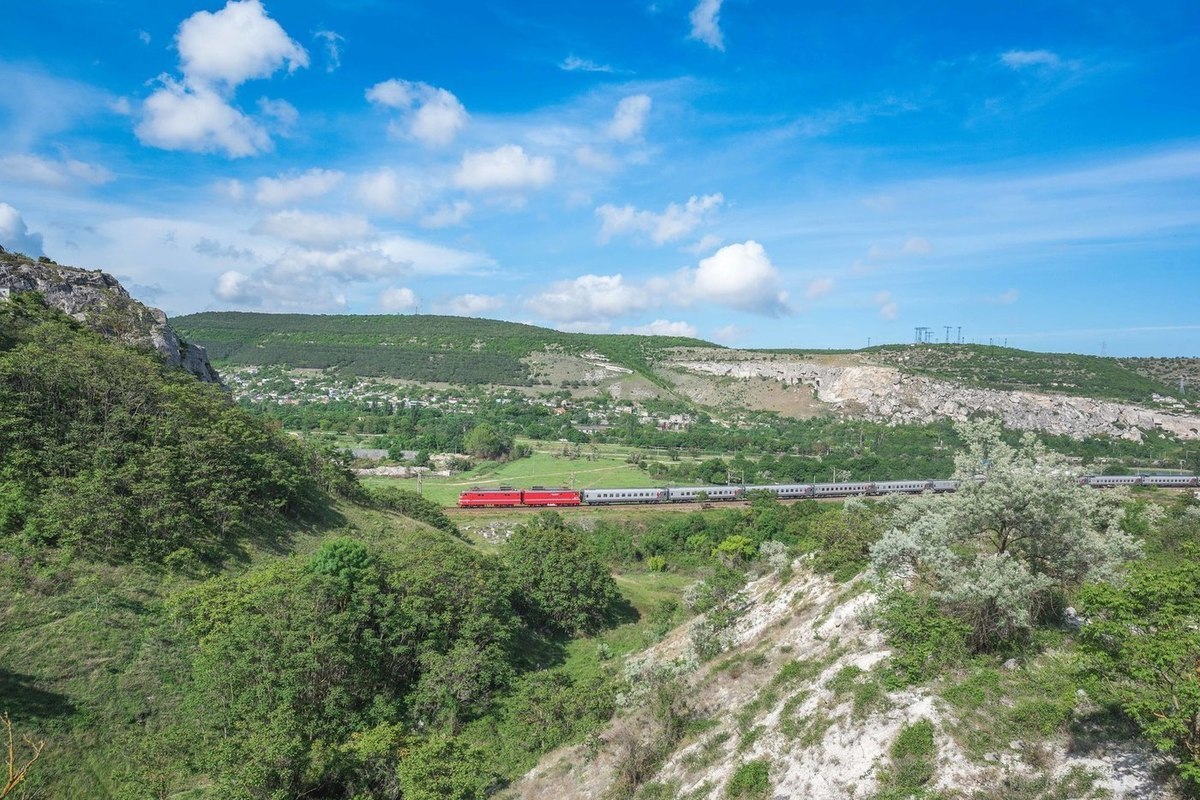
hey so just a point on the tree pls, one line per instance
(1141, 646)
(483, 441)
(558, 577)
(1002, 550)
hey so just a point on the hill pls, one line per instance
(418, 347)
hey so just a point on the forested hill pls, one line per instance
(421, 347)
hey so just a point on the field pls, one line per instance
(540, 469)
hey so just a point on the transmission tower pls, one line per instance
(947, 327)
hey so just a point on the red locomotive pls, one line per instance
(506, 496)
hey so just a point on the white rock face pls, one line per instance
(98, 300)
(887, 395)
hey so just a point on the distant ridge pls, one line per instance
(423, 347)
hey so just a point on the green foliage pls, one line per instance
(559, 578)
(1142, 647)
(925, 640)
(913, 756)
(736, 549)
(1001, 553)
(484, 442)
(750, 781)
(415, 347)
(413, 506)
(444, 768)
(294, 660)
(109, 453)
(1012, 369)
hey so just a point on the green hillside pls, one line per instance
(417, 347)
(1007, 368)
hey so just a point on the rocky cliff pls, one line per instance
(99, 301)
(887, 395)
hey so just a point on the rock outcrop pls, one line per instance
(885, 394)
(98, 300)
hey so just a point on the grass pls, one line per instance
(750, 781)
(539, 469)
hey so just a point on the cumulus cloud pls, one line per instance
(285, 189)
(48, 172)
(591, 298)
(888, 308)
(319, 230)
(662, 327)
(447, 215)
(15, 234)
(573, 63)
(505, 168)
(386, 192)
(629, 119)
(234, 45)
(741, 276)
(333, 48)
(396, 300)
(706, 24)
(675, 222)
(708, 242)
(433, 116)
(818, 288)
(471, 305)
(180, 117)
(235, 287)
(219, 51)
(1023, 59)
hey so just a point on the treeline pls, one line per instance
(111, 454)
(417, 347)
(1007, 368)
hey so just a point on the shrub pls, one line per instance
(751, 780)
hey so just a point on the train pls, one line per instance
(542, 497)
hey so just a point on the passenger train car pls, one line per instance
(542, 497)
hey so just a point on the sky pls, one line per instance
(759, 174)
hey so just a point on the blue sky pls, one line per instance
(754, 173)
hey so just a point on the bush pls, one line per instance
(925, 640)
(750, 781)
(413, 506)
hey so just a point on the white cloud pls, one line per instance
(319, 230)
(219, 51)
(662, 327)
(888, 308)
(385, 192)
(918, 246)
(575, 64)
(741, 276)
(706, 25)
(281, 113)
(67, 172)
(708, 242)
(15, 234)
(730, 334)
(447, 216)
(396, 300)
(675, 222)
(594, 159)
(283, 190)
(1021, 59)
(226, 252)
(590, 298)
(232, 190)
(433, 116)
(234, 45)
(235, 287)
(629, 119)
(506, 167)
(818, 288)
(333, 48)
(179, 117)
(471, 305)
(143, 37)
(1005, 298)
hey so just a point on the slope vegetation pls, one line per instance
(415, 347)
